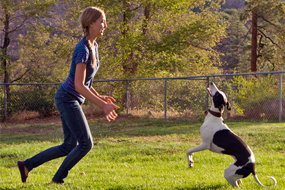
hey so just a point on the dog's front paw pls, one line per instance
(190, 160)
(191, 164)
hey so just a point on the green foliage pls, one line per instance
(250, 94)
(142, 46)
(176, 38)
(46, 56)
(16, 16)
(271, 44)
(181, 96)
(236, 56)
(36, 99)
(135, 44)
(187, 95)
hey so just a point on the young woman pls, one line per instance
(70, 95)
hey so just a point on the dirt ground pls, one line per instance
(11, 126)
(55, 119)
(38, 120)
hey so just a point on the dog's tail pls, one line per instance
(259, 183)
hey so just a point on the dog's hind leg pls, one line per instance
(239, 182)
(189, 153)
(231, 176)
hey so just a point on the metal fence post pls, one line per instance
(127, 94)
(165, 99)
(5, 102)
(280, 97)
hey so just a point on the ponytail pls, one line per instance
(89, 15)
(93, 57)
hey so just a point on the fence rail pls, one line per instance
(252, 95)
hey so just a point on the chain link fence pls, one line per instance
(255, 96)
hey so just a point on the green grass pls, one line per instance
(142, 154)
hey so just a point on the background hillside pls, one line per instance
(233, 4)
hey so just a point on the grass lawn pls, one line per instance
(142, 154)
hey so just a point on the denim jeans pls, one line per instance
(77, 137)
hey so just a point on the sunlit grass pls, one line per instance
(142, 154)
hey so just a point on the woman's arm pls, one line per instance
(80, 74)
(105, 98)
(92, 95)
(94, 91)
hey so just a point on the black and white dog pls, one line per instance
(217, 137)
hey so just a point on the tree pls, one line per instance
(267, 28)
(160, 38)
(146, 38)
(143, 39)
(234, 47)
(14, 16)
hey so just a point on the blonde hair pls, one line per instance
(88, 16)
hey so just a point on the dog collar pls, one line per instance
(216, 114)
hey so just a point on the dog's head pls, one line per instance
(219, 98)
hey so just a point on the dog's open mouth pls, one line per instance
(209, 91)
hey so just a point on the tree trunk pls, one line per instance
(254, 43)
(4, 49)
(146, 18)
(126, 17)
(4, 57)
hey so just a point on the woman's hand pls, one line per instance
(105, 102)
(108, 99)
(109, 107)
(109, 111)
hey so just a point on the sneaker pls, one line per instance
(21, 167)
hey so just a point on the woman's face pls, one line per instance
(97, 28)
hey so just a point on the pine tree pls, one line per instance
(267, 29)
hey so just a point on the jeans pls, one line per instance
(77, 137)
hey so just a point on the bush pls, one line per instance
(39, 99)
(251, 94)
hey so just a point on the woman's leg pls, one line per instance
(76, 122)
(61, 100)
(53, 152)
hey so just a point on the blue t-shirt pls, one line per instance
(81, 53)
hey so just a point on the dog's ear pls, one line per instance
(221, 106)
(228, 105)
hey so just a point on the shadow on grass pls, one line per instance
(205, 187)
(143, 128)
(201, 187)
(102, 129)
